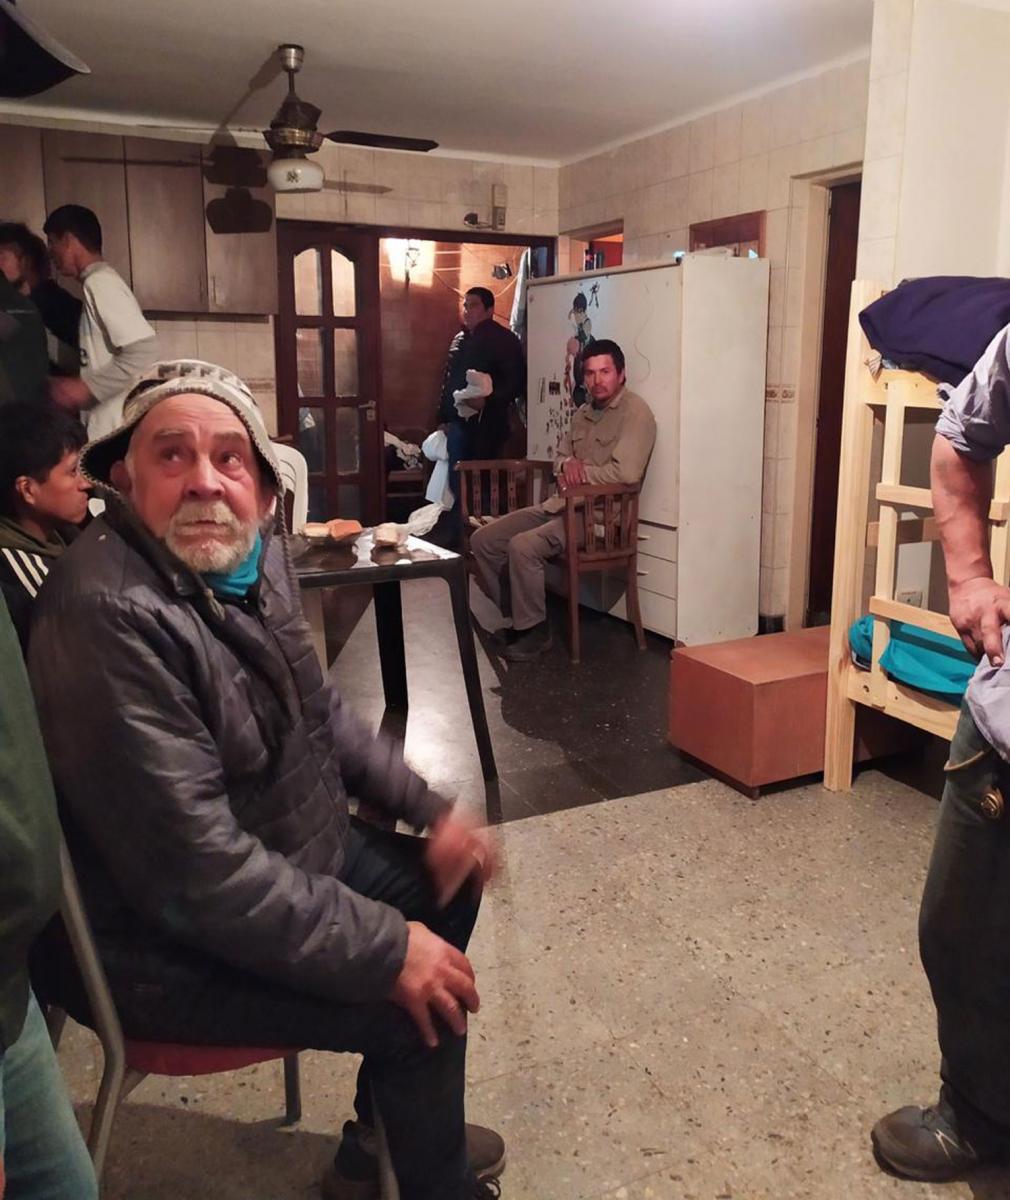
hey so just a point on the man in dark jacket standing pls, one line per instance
(481, 345)
(233, 899)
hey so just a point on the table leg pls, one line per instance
(312, 607)
(457, 581)
(389, 629)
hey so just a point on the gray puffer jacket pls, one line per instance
(204, 765)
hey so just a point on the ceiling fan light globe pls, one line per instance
(295, 175)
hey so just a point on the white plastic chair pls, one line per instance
(295, 473)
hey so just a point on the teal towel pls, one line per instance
(927, 661)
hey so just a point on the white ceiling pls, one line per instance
(548, 80)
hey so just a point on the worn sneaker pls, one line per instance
(354, 1173)
(926, 1144)
(530, 644)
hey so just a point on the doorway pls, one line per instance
(329, 366)
(843, 234)
(365, 318)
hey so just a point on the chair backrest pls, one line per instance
(493, 487)
(605, 525)
(295, 473)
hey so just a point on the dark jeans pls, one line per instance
(419, 1091)
(964, 933)
(467, 440)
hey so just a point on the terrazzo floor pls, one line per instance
(686, 995)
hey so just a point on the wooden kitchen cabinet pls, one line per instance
(241, 232)
(164, 187)
(24, 197)
(88, 169)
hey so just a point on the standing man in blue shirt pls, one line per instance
(964, 922)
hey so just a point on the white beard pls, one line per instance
(220, 552)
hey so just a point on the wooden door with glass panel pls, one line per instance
(328, 378)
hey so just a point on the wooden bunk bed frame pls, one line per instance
(885, 398)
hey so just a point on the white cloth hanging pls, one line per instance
(435, 448)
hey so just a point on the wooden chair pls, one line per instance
(610, 540)
(601, 533)
(494, 487)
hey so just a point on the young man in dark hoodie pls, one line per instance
(41, 1151)
(42, 497)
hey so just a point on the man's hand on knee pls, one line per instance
(459, 849)
(435, 978)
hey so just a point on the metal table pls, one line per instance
(361, 561)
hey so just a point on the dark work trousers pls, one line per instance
(419, 1091)
(964, 934)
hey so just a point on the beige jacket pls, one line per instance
(614, 442)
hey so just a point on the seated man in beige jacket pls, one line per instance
(610, 442)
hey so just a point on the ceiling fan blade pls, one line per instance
(381, 141)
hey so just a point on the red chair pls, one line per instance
(128, 1061)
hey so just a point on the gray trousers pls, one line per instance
(514, 548)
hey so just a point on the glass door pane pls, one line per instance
(345, 362)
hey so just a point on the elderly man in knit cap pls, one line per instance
(205, 765)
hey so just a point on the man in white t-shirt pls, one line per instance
(117, 343)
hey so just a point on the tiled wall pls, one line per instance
(381, 187)
(885, 136)
(244, 345)
(757, 154)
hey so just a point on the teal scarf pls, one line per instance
(235, 584)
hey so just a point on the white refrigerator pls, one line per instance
(694, 337)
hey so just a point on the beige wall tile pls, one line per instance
(765, 589)
(678, 207)
(630, 162)
(391, 212)
(809, 96)
(519, 181)
(654, 208)
(786, 441)
(754, 183)
(769, 481)
(774, 373)
(767, 559)
(674, 240)
(215, 344)
(771, 428)
(726, 190)
(878, 215)
(777, 235)
(790, 368)
(885, 118)
(779, 592)
(777, 300)
(755, 128)
(701, 154)
(780, 173)
(700, 197)
(677, 149)
(783, 532)
(892, 37)
(849, 146)
(426, 214)
(289, 206)
(254, 348)
(875, 259)
(785, 474)
(728, 134)
(545, 222)
(786, 116)
(850, 94)
(794, 296)
(546, 182)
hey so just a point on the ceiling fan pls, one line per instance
(293, 135)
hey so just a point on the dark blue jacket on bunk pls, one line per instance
(940, 324)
